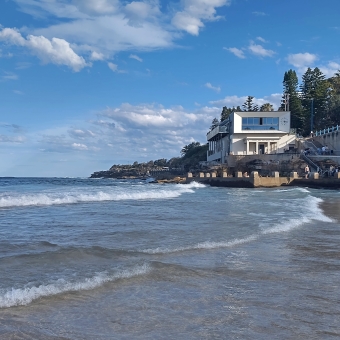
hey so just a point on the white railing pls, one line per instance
(328, 130)
(217, 130)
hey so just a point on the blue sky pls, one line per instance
(85, 84)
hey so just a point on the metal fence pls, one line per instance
(328, 130)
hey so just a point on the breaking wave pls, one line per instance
(310, 210)
(24, 296)
(140, 193)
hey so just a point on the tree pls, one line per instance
(226, 111)
(248, 105)
(290, 87)
(214, 124)
(334, 100)
(316, 91)
(160, 162)
(187, 148)
(267, 107)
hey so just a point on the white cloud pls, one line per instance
(97, 6)
(9, 76)
(261, 39)
(191, 18)
(215, 88)
(104, 123)
(236, 51)
(113, 67)
(56, 51)
(101, 28)
(159, 131)
(12, 139)
(133, 56)
(230, 101)
(145, 131)
(304, 60)
(258, 13)
(111, 34)
(138, 11)
(150, 115)
(97, 56)
(18, 92)
(300, 60)
(81, 133)
(79, 146)
(259, 50)
(330, 69)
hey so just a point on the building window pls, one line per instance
(260, 123)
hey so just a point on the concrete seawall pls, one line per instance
(255, 181)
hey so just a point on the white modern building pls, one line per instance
(249, 133)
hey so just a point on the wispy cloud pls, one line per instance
(261, 39)
(215, 88)
(236, 51)
(114, 67)
(259, 13)
(133, 56)
(9, 76)
(18, 92)
(97, 56)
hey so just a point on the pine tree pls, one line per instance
(248, 105)
(316, 91)
(290, 87)
(334, 101)
(214, 124)
(225, 113)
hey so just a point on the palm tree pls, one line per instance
(267, 107)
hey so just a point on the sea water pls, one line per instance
(111, 259)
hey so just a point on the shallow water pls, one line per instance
(108, 259)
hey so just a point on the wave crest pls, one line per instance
(24, 296)
(51, 198)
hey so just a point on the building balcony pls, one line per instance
(218, 130)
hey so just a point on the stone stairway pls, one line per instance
(311, 164)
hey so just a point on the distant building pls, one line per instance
(249, 133)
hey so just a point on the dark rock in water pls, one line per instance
(118, 174)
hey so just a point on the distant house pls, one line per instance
(249, 133)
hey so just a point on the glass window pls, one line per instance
(260, 123)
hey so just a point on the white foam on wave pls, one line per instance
(201, 245)
(24, 296)
(52, 198)
(299, 189)
(195, 185)
(310, 210)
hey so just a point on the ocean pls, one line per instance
(126, 259)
